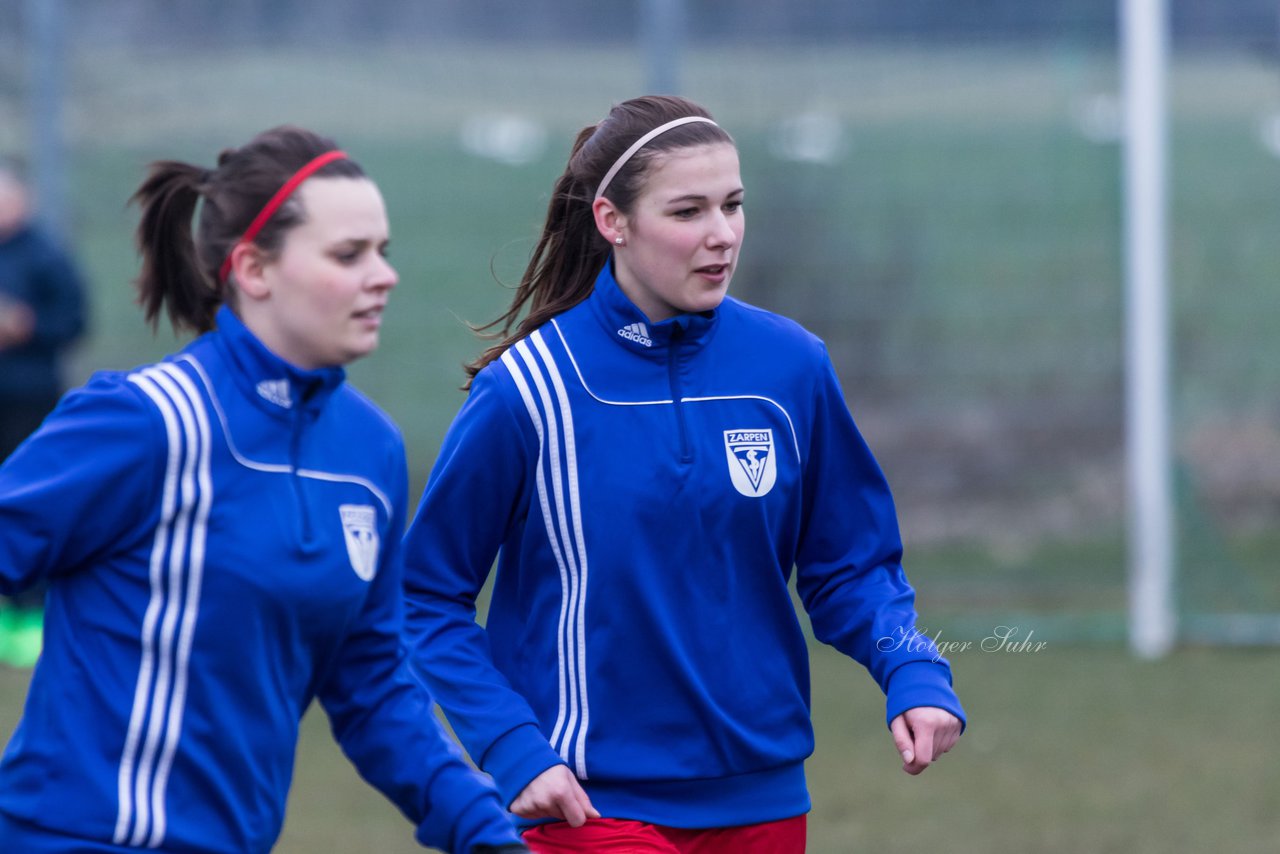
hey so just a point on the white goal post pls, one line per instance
(1144, 49)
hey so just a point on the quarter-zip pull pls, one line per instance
(673, 376)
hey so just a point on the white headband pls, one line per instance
(640, 143)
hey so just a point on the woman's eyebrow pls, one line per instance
(699, 197)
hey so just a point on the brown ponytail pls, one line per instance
(170, 272)
(179, 268)
(570, 251)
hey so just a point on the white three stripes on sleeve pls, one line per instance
(169, 621)
(562, 518)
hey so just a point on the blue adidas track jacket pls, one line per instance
(648, 490)
(221, 535)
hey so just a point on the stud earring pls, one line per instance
(618, 240)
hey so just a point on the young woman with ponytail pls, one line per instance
(647, 459)
(220, 532)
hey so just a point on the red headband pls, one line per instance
(276, 201)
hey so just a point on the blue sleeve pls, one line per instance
(81, 485)
(849, 565)
(473, 497)
(385, 721)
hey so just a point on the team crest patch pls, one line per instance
(753, 467)
(359, 526)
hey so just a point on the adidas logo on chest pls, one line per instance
(277, 392)
(637, 332)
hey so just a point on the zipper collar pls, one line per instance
(273, 385)
(628, 326)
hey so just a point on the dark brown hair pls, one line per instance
(570, 251)
(179, 270)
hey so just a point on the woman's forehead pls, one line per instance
(342, 202)
(701, 168)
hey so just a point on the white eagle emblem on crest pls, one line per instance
(360, 528)
(753, 467)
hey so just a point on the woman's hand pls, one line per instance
(922, 735)
(555, 793)
(17, 323)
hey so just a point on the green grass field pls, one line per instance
(1069, 749)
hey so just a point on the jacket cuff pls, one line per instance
(516, 758)
(921, 683)
(463, 816)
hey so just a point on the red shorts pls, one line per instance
(616, 836)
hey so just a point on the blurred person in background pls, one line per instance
(42, 313)
(648, 459)
(220, 532)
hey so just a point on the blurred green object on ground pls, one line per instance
(21, 636)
